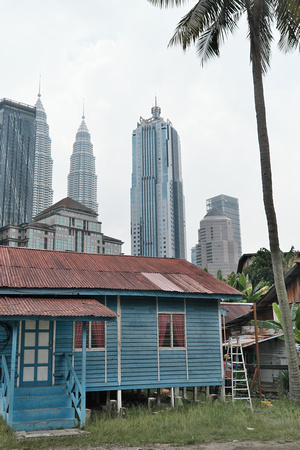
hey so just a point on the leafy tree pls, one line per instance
(261, 267)
(207, 24)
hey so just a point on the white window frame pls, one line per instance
(172, 313)
(89, 347)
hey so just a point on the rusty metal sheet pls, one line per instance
(29, 268)
(54, 307)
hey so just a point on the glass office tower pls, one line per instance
(157, 201)
(17, 152)
(229, 206)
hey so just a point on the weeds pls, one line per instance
(194, 423)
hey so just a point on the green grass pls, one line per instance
(193, 424)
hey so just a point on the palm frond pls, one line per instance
(209, 23)
(167, 3)
(195, 22)
(287, 13)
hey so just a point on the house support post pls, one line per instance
(12, 373)
(107, 398)
(195, 394)
(119, 399)
(158, 396)
(207, 392)
(83, 376)
(172, 398)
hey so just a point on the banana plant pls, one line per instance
(243, 284)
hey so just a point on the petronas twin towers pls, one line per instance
(82, 179)
(43, 163)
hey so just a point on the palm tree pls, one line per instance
(207, 25)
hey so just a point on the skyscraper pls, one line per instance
(157, 201)
(216, 248)
(82, 179)
(43, 165)
(17, 151)
(229, 206)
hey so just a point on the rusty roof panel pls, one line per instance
(235, 310)
(247, 341)
(29, 268)
(54, 307)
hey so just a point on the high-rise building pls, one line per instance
(67, 226)
(82, 179)
(157, 201)
(216, 248)
(43, 165)
(17, 152)
(229, 206)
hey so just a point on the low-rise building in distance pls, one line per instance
(67, 226)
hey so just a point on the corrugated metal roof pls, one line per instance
(235, 310)
(27, 268)
(247, 341)
(53, 307)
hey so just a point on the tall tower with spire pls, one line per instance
(43, 163)
(82, 179)
(157, 201)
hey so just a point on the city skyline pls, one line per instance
(157, 200)
(117, 62)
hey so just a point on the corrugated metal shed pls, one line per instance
(53, 307)
(27, 268)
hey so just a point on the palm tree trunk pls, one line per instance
(266, 174)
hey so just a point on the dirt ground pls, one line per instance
(235, 445)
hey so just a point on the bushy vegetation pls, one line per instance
(194, 423)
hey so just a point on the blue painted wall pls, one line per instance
(142, 364)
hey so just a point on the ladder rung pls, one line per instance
(240, 389)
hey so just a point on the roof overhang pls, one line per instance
(55, 308)
(122, 292)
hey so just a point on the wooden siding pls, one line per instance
(203, 343)
(142, 364)
(293, 290)
(138, 342)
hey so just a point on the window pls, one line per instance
(171, 330)
(95, 335)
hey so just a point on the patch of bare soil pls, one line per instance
(233, 445)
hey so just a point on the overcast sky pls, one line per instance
(114, 55)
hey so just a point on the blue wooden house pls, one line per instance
(145, 322)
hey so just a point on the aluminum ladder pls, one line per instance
(238, 386)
